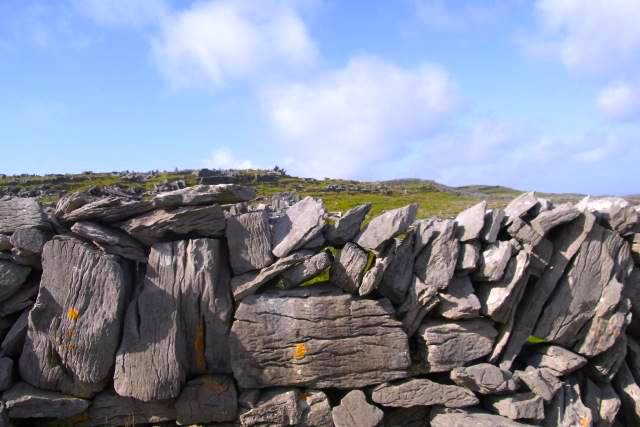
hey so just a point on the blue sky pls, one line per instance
(538, 94)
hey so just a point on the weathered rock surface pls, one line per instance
(484, 378)
(444, 417)
(468, 256)
(179, 321)
(421, 299)
(524, 233)
(109, 409)
(111, 240)
(301, 223)
(29, 240)
(12, 276)
(493, 261)
(316, 341)
(550, 219)
(520, 206)
(567, 409)
(249, 240)
(14, 340)
(629, 392)
(204, 195)
(355, 411)
(17, 212)
(499, 299)
(458, 301)
(373, 277)
(542, 382)
(306, 270)
(274, 408)
(348, 268)
(492, 222)
(422, 392)
(249, 283)
(187, 222)
(518, 406)
(604, 366)
(207, 399)
(25, 401)
(436, 263)
(614, 212)
(444, 345)
(108, 210)
(399, 273)
(470, 222)
(558, 359)
(385, 227)
(347, 227)
(316, 410)
(602, 400)
(74, 328)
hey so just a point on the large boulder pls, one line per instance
(355, 411)
(204, 195)
(179, 321)
(249, 240)
(444, 345)
(108, 210)
(18, 212)
(111, 240)
(187, 222)
(347, 226)
(422, 392)
(300, 224)
(74, 327)
(314, 340)
(385, 227)
(436, 263)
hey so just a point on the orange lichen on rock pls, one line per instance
(73, 314)
(299, 351)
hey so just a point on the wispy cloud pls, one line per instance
(223, 158)
(620, 101)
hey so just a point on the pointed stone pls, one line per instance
(18, 212)
(470, 222)
(546, 221)
(517, 406)
(204, 195)
(348, 268)
(306, 270)
(108, 210)
(299, 225)
(425, 232)
(399, 274)
(484, 378)
(111, 240)
(166, 225)
(520, 206)
(458, 301)
(499, 299)
(493, 261)
(444, 345)
(25, 401)
(385, 227)
(66, 348)
(284, 341)
(436, 263)
(492, 222)
(248, 283)
(207, 399)
(542, 382)
(355, 411)
(371, 279)
(347, 227)
(249, 240)
(422, 392)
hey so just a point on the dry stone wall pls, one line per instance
(197, 307)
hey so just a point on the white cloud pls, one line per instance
(352, 121)
(620, 101)
(213, 42)
(121, 13)
(593, 35)
(224, 159)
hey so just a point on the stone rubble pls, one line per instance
(198, 307)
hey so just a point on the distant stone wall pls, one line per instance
(197, 307)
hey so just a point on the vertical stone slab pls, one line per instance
(74, 327)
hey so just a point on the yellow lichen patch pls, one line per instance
(299, 351)
(303, 396)
(584, 422)
(73, 314)
(198, 348)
